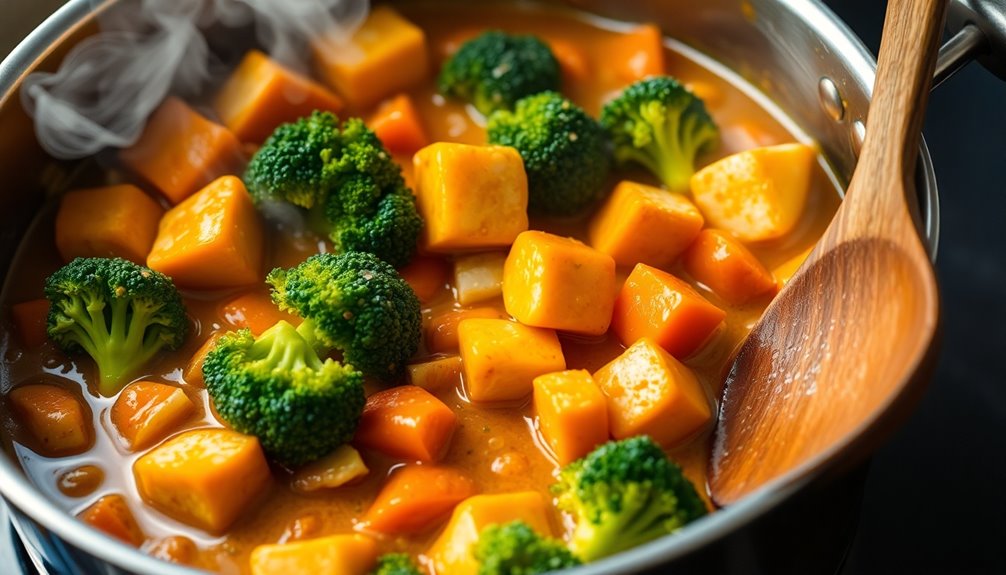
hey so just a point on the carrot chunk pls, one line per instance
(655, 304)
(441, 331)
(58, 422)
(728, 268)
(635, 55)
(408, 422)
(113, 221)
(146, 411)
(501, 358)
(332, 555)
(398, 126)
(30, 321)
(572, 62)
(416, 498)
(426, 275)
(436, 375)
(111, 515)
(256, 311)
(193, 372)
(572, 413)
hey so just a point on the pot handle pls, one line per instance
(979, 28)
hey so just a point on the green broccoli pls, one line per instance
(563, 148)
(516, 549)
(118, 312)
(346, 180)
(396, 564)
(658, 123)
(495, 69)
(623, 494)
(356, 303)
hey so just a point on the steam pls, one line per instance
(110, 83)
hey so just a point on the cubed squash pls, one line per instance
(657, 305)
(559, 283)
(440, 332)
(341, 467)
(643, 224)
(398, 125)
(408, 422)
(193, 372)
(204, 477)
(111, 515)
(332, 555)
(111, 221)
(260, 94)
(427, 276)
(725, 266)
(30, 319)
(651, 393)
(387, 54)
(785, 271)
(758, 194)
(416, 498)
(572, 413)
(573, 62)
(634, 55)
(436, 375)
(214, 239)
(471, 197)
(452, 551)
(180, 151)
(59, 424)
(478, 277)
(256, 311)
(146, 412)
(501, 358)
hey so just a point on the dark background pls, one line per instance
(935, 497)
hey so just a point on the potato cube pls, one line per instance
(406, 421)
(146, 411)
(501, 358)
(440, 332)
(58, 422)
(479, 277)
(112, 221)
(111, 515)
(643, 224)
(212, 240)
(30, 318)
(651, 393)
(471, 197)
(332, 555)
(728, 268)
(204, 478)
(572, 413)
(559, 283)
(451, 552)
(386, 54)
(757, 194)
(341, 467)
(436, 375)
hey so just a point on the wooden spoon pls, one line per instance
(848, 344)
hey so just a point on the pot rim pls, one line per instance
(16, 489)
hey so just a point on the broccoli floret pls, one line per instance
(623, 494)
(353, 190)
(356, 303)
(658, 123)
(118, 312)
(396, 564)
(563, 149)
(495, 69)
(276, 388)
(516, 549)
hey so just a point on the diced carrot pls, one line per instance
(478, 277)
(57, 421)
(416, 498)
(176, 549)
(30, 319)
(501, 358)
(145, 412)
(111, 515)
(81, 482)
(332, 555)
(180, 151)
(427, 276)
(256, 311)
(436, 375)
(785, 271)
(214, 239)
(342, 466)
(572, 61)
(441, 331)
(113, 221)
(635, 55)
(572, 413)
(408, 422)
(398, 126)
(655, 304)
(725, 266)
(261, 94)
(193, 372)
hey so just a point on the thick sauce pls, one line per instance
(498, 447)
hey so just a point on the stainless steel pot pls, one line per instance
(796, 52)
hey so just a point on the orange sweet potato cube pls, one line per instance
(572, 413)
(634, 55)
(146, 411)
(408, 422)
(332, 555)
(728, 268)
(559, 283)
(651, 393)
(204, 477)
(30, 319)
(657, 305)
(397, 124)
(58, 422)
(111, 515)
(416, 498)
(112, 221)
(261, 94)
(256, 311)
(643, 224)
(501, 358)
(193, 372)
(214, 239)
(180, 151)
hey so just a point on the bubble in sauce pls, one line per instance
(81, 482)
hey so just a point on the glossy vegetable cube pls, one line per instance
(145, 412)
(204, 477)
(501, 358)
(111, 515)
(193, 372)
(758, 194)
(657, 305)
(471, 197)
(398, 125)
(214, 239)
(572, 413)
(651, 393)
(436, 375)
(58, 422)
(112, 221)
(256, 311)
(559, 283)
(408, 422)
(416, 498)
(441, 331)
(643, 224)
(30, 319)
(728, 268)
(332, 555)
(341, 467)
(427, 276)
(634, 55)
(478, 277)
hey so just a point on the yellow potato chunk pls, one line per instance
(501, 358)
(386, 54)
(559, 283)
(471, 197)
(757, 194)
(204, 478)
(436, 375)
(333, 555)
(572, 413)
(643, 224)
(451, 552)
(341, 467)
(479, 277)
